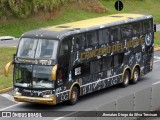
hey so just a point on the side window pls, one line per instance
(126, 32)
(115, 35)
(118, 59)
(95, 66)
(137, 29)
(106, 63)
(147, 26)
(65, 47)
(79, 42)
(103, 36)
(91, 38)
(115, 60)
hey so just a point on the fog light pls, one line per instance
(18, 94)
(47, 96)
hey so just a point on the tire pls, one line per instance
(136, 75)
(126, 79)
(74, 96)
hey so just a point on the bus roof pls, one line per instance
(60, 31)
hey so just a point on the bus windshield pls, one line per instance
(37, 48)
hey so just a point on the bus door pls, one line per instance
(77, 47)
(63, 62)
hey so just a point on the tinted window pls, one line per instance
(91, 38)
(79, 41)
(147, 26)
(103, 36)
(126, 32)
(106, 63)
(65, 46)
(95, 66)
(137, 29)
(118, 59)
(115, 36)
(115, 58)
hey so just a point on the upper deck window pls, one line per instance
(27, 48)
(126, 32)
(37, 48)
(91, 38)
(115, 35)
(47, 49)
(147, 26)
(103, 36)
(137, 29)
(79, 42)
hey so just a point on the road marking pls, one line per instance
(156, 83)
(156, 61)
(9, 97)
(157, 57)
(10, 106)
(65, 116)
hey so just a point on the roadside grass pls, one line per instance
(6, 55)
(157, 39)
(70, 13)
(136, 6)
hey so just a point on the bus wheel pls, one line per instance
(126, 79)
(74, 95)
(136, 75)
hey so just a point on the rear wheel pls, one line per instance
(74, 95)
(136, 75)
(126, 79)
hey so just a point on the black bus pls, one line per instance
(62, 62)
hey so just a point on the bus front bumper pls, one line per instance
(50, 101)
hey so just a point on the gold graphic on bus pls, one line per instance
(109, 49)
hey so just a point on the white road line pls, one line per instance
(64, 116)
(157, 57)
(156, 83)
(156, 61)
(10, 106)
(9, 97)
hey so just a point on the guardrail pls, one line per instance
(147, 99)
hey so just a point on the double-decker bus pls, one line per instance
(62, 62)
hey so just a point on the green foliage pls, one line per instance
(25, 8)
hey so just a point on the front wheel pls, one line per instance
(136, 75)
(74, 96)
(126, 79)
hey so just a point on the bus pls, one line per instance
(63, 62)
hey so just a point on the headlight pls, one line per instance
(47, 94)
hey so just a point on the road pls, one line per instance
(7, 43)
(87, 102)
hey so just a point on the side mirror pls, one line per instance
(155, 29)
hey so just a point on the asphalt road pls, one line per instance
(87, 102)
(9, 43)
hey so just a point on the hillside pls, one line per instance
(42, 13)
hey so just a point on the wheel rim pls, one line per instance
(126, 79)
(136, 76)
(74, 96)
